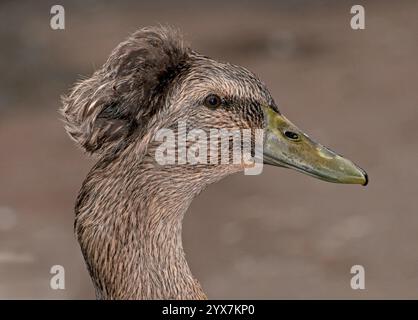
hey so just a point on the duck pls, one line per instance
(130, 208)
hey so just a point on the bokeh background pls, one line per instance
(277, 235)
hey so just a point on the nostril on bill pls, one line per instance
(291, 135)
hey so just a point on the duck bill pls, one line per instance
(287, 146)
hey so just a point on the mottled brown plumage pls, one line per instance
(129, 210)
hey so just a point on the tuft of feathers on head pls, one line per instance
(102, 111)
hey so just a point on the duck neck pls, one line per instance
(129, 226)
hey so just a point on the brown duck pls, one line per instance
(130, 208)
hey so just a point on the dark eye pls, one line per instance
(213, 101)
(292, 135)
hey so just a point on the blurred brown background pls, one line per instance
(277, 235)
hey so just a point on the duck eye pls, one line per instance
(213, 101)
(292, 135)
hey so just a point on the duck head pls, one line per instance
(153, 81)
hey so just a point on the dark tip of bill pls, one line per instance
(367, 179)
